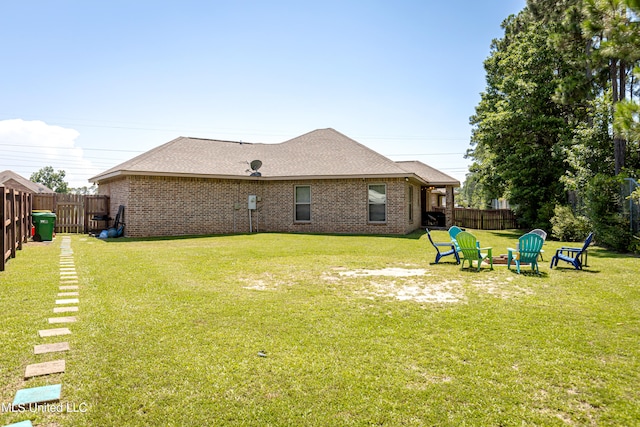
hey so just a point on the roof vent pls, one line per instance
(255, 165)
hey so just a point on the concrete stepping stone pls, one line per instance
(68, 294)
(67, 282)
(53, 332)
(69, 319)
(37, 395)
(51, 348)
(45, 368)
(26, 423)
(68, 273)
(69, 288)
(68, 301)
(64, 309)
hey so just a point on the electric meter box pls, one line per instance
(251, 202)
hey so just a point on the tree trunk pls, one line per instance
(613, 76)
(619, 149)
(618, 84)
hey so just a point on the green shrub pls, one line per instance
(604, 206)
(567, 227)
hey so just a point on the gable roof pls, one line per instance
(429, 174)
(322, 153)
(11, 179)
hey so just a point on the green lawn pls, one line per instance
(169, 332)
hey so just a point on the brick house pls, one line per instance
(320, 182)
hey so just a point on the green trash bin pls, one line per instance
(45, 223)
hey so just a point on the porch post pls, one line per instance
(449, 208)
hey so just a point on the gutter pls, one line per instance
(116, 174)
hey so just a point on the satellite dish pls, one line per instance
(255, 165)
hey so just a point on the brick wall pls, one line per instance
(118, 192)
(165, 206)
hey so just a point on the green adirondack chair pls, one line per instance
(528, 250)
(471, 252)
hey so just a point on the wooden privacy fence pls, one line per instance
(15, 221)
(74, 212)
(485, 219)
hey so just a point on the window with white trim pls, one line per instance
(377, 202)
(303, 203)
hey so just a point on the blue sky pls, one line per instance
(86, 85)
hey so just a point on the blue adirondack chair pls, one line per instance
(573, 255)
(451, 249)
(528, 251)
(471, 252)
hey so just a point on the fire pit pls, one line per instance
(502, 260)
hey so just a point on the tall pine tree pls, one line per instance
(519, 131)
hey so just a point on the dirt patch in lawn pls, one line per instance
(402, 284)
(502, 289)
(389, 272)
(416, 290)
(398, 283)
(264, 283)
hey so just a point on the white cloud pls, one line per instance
(28, 146)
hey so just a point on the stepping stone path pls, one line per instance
(68, 294)
(64, 309)
(21, 424)
(46, 368)
(53, 332)
(67, 301)
(28, 398)
(37, 395)
(51, 348)
(69, 319)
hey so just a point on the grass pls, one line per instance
(169, 332)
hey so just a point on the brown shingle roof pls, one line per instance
(11, 179)
(427, 173)
(323, 153)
